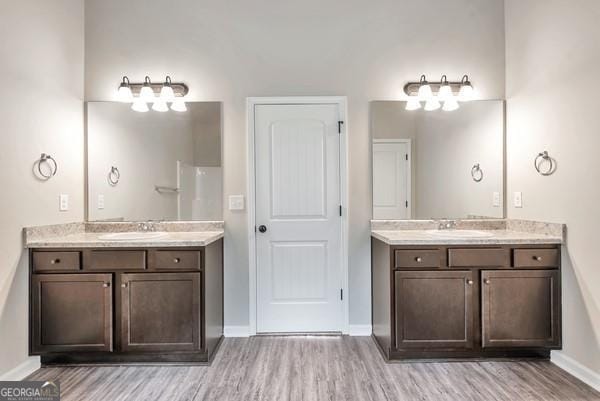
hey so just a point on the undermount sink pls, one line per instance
(132, 236)
(460, 233)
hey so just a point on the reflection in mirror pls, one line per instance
(154, 166)
(438, 164)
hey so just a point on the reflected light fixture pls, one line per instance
(166, 92)
(146, 93)
(160, 106)
(124, 94)
(425, 92)
(466, 90)
(445, 91)
(139, 105)
(432, 104)
(178, 105)
(413, 103)
(450, 104)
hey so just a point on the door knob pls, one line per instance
(470, 282)
(486, 281)
(262, 228)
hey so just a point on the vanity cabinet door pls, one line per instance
(520, 308)
(160, 311)
(433, 309)
(71, 312)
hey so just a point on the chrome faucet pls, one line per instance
(447, 225)
(146, 226)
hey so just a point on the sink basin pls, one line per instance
(132, 236)
(459, 233)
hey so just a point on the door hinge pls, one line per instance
(340, 210)
(341, 294)
(340, 127)
(406, 203)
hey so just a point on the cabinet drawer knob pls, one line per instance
(537, 258)
(470, 282)
(486, 281)
(124, 285)
(54, 261)
(176, 260)
(418, 259)
(106, 285)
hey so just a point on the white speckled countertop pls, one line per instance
(89, 235)
(494, 232)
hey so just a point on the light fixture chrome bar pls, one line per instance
(180, 89)
(412, 88)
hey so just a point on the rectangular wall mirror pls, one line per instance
(438, 164)
(154, 166)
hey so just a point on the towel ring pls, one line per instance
(114, 176)
(540, 159)
(47, 159)
(477, 173)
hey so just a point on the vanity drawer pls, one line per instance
(177, 260)
(416, 258)
(115, 260)
(56, 261)
(479, 257)
(536, 258)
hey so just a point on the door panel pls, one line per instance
(434, 309)
(520, 308)
(390, 181)
(71, 312)
(297, 200)
(160, 312)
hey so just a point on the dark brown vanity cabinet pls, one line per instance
(126, 305)
(466, 301)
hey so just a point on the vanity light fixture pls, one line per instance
(159, 95)
(434, 93)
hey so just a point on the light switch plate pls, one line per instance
(518, 199)
(100, 202)
(496, 199)
(236, 202)
(63, 202)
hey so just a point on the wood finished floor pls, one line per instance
(317, 368)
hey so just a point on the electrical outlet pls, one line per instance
(496, 199)
(100, 202)
(63, 202)
(236, 202)
(518, 199)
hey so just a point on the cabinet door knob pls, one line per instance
(538, 258)
(124, 285)
(418, 259)
(54, 261)
(176, 260)
(470, 282)
(106, 285)
(486, 281)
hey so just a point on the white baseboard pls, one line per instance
(359, 330)
(236, 331)
(23, 370)
(570, 365)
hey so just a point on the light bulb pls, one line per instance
(432, 104)
(466, 90)
(178, 105)
(450, 104)
(445, 91)
(166, 93)
(139, 105)
(425, 92)
(124, 93)
(160, 106)
(147, 94)
(413, 104)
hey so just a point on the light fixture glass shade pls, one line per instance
(124, 94)
(147, 94)
(432, 104)
(466, 93)
(425, 92)
(450, 104)
(413, 103)
(140, 106)
(178, 105)
(445, 92)
(160, 106)
(167, 94)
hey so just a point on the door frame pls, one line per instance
(409, 194)
(251, 103)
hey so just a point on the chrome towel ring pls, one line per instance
(114, 176)
(477, 173)
(540, 160)
(49, 160)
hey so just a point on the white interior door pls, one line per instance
(299, 280)
(391, 170)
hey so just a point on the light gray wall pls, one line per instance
(230, 50)
(553, 57)
(41, 109)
